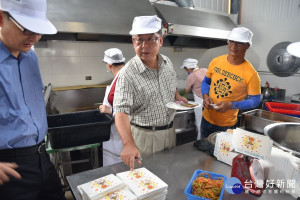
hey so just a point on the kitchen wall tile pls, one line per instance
(92, 64)
(66, 65)
(91, 49)
(67, 80)
(77, 79)
(66, 48)
(45, 65)
(43, 48)
(97, 49)
(99, 78)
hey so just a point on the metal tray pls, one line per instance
(78, 128)
(257, 120)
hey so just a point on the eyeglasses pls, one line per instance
(24, 30)
(238, 44)
(149, 41)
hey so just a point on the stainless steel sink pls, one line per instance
(257, 120)
(285, 135)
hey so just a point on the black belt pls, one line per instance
(156, 128)
(38, 148)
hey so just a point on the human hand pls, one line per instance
(7, 169)
(207, 101)
(178, 97)
(105, 109)
(129, 154)
(222, 106)
(181, 98)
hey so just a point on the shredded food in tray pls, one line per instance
(207, 188)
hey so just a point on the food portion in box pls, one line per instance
(129, 185)
(205, 185)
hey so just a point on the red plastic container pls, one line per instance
(284, 108)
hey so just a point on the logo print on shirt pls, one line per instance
(222, 88)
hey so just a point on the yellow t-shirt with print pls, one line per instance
(229, 83)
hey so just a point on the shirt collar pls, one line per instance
(6, 53)
(142, 67)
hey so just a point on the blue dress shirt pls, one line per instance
(23, 120)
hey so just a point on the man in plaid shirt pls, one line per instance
(145, 85)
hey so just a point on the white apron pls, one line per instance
(198, 115)
(113, 147)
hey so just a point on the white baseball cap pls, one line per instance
(145, 25)
(294, 49)
(241, 34)
(113, 55)
(31, 14)
(189, 63)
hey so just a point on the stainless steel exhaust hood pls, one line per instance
(95, 19)
(111, 20)
(189, 26)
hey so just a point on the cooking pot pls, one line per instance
(285, 135)
(280, 62)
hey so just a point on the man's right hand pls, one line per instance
(207, 101)
(129, 154)
(7, 169)
(105, 109)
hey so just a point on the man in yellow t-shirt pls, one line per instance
(228, 81)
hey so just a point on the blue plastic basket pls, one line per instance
(188, 189)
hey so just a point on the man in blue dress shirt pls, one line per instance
(25, 168)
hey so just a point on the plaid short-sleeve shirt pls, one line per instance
(143, 92)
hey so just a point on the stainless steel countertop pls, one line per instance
(175, 167)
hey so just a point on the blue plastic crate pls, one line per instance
(188, 189)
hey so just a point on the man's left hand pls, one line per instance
(178, 97)
(181, 98)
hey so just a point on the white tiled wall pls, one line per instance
(67, 63)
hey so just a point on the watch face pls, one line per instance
(256, 173)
